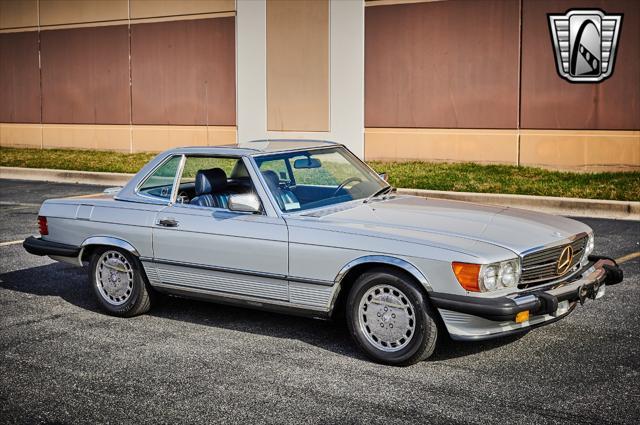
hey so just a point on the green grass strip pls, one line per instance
(461, 177)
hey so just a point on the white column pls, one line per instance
(251, 70)
(346, 79)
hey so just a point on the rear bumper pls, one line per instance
(491, 317)
(38, 246)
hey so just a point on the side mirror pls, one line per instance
(384, 176)
(247, 202)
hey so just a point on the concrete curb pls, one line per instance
(575, 207)
(65, 176)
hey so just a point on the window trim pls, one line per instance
(177, 178)
(245, 160)
(157, 199)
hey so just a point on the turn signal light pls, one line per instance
(42, 225)
(467, 275)
(523, 316)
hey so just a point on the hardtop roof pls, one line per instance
(256, 147)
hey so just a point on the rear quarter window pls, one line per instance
(159, 183)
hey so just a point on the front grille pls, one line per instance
(541, 266)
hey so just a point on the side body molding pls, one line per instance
(377, 259)
(109, 241)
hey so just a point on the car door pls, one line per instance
(208, 249)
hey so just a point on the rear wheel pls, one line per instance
(119, 283)
(389, 318)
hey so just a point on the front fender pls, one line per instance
(376, 260)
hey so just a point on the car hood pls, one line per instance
(514, 229)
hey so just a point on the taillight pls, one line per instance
(42, 225)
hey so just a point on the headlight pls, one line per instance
(508, 274)
(591, 243)
(487, 277)
(504, 274)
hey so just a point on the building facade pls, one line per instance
(449, 80)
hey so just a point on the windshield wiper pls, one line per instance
(379, 192)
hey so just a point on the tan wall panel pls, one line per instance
(550, 102)
(99, 137)
(57, 12)
(298, 65)
(156, 8)
(85, 75)
(483, 146)
(449, 64)
(581, 150)
(20, 135)
(390, 2)
(113, 137)
(19, 77)
(18, 13)
(183, 72)
(219, 136)
(159, 138)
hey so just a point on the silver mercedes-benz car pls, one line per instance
(306, 227)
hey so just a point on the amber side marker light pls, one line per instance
(523, 316)
(467, 275)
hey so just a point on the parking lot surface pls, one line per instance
(63, 361)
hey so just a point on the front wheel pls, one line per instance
(390, 319)
(119, 283)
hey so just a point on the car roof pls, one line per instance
(256, 147)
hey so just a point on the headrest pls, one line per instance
(273, 181)
(239, 170)
(209, 181)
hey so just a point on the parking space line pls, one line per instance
(22, 204)
(11, 242)
(628, 257)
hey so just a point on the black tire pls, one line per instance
(140, 295)
(424, 334)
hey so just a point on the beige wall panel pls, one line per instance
(298, 65)
(99, 137)
(57, 12)
(483, 146)
(21, 135)
(222, 136)
(161, 137)
(18, 13)
(156, 138)
(391, 2)
(157, 8)
(581, 150)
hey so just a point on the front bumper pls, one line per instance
(489, 317)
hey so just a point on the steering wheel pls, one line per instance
(344, 183)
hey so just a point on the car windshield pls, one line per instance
(313, 178)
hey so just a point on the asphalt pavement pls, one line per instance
(63, 361)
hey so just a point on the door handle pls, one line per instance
(167, 222)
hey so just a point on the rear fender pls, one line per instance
(107, 241)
